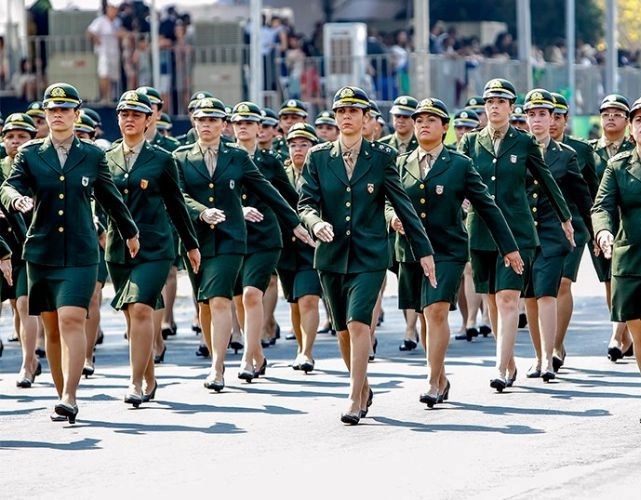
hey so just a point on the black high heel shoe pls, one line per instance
(131, 398)
(498, 383)
(1, 348)
(485, 330)
(66, 410)
(195, 327)
(148, 397)
(203, 351)
(350, 418)
(166, 332)
(307, 366)
(262, 369)
(445, 395)
(372, 356)
(215, 385)
(547, 376)
(160, 358)
(512, 379)
(88, 370)
(247, 375)
(557, 363)
(428, 399)
(236, 345)
(614, 354)
(469, 334)
(100, 338)
(40, 352)
(408, 344)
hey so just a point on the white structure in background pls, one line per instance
(345, 51)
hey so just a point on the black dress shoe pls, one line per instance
(57, 418)
(408, 345)
(290, 336)
(131, 398)
(307, 366)
(428, 399)
(38, 370)
(195, 327)
(214, 385)
(24, 383)
(236, 345)
(557, 363)
(13, 338)
(498, 383)
(88, 370)
(370, 398)
(485, 330)
(547, 376)
(246, 375)
(363, 413)
(148, 397)
(67, 410)
(100, 338)
(522, 320)
(166, 333)
(160, 357)
(40, 352)
(614, 354)
(445, 395)
(533, 372)
(262, 369)
(629, 352)
(265, 343)
(326, 329)
(350, 418)
(512, 379)
(203, 351)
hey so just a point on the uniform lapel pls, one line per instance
(507, 142)
(363, 163)
(485, 140)
(222, 160)
(146, 155)
(634, 166)
(412, 166)
(75, 156)
(48, 153)
(552, 155)
(336, 164)
(440, 164)
(117, 157)
(196, 160)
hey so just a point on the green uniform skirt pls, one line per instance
(626, 291)
(217, 276)
(448, 279)
(546, 276)
(410, 280)
(140, 283)
(351, 297)
(257, 270)
(490, 274)
(52, 287)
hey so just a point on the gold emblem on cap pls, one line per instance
(611, 98)
(131, 96)
(206, 103)
(347, 92)
(402, 100)
(58, 92)
(536, 96)
(427, 103)
(243, 108)
(495, 84)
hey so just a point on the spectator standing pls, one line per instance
(105, 32)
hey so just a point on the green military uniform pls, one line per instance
(168, 143)
(505, 175)
(355, 209)
(62, 232)
(602, 266)
(585, 160)
(223, 190)
(619, 197)
(554, 247)
(189, 137)
(437, 199)
(279, 146)
(393, 141)
(151, 191)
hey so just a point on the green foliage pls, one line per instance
(548, 17)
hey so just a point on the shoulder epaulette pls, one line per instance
(567, 147)
(321, 146)
(184, 147)
(623, 154)
(385, 148)
(33, 142)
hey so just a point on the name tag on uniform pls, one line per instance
(439, 189)
(144, 183)
(85, 181)
(370, 188)
(513, 158)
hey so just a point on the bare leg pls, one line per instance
(309, 319)
(169, 297)
(634, 326)
(462, 306)
(93, 324)
(270, 300)
(53, 347)
(158, 344)
(253, 303)
(507, 307)
(295, 315)
(411, 317)
(141, 339)
(28, 338)
(532, 311)
(71, 325)
(359, 341)
(220, 308)
(204, 316)
(438, 332)
(472, 298)
(547, 325)
(564, 308)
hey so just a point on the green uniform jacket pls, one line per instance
(62, 230)
(562, 162)
(620, 193)
(167, 143)
(280, 147)
(437, 199)
(356, 208)
(586, 161)
(13, 226)
(234, 170)
(151, 191)
(392, 140)
(188, 138)
(601, 156)
(296, 255)
(505, 176)
(266, 234)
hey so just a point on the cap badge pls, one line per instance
(58, 92)
(347, 92)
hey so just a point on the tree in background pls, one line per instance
(628, 22)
